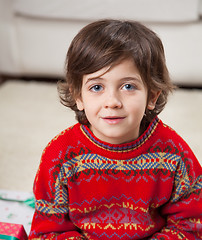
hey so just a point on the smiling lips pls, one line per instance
(113, 120)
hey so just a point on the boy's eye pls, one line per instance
(128, 87)
(96, 88)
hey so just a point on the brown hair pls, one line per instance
(104, 43)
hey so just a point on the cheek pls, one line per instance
(137, 104)
(91, 108)
(92, 113)
(91, 102)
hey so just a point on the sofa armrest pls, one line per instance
(200, 9)
(9, 57)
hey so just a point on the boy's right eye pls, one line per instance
(96, 88)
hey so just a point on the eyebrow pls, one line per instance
(131, 79)
(94, 79)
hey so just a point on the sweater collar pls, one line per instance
(125, 147)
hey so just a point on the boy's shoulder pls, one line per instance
(64, 138)
(171, 141)
(66, 133)
(167, 132)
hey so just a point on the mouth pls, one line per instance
(113, 119)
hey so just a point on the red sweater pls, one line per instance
(146, 189)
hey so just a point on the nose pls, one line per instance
(112, 100)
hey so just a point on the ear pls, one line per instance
(79, 104)
(152, 99)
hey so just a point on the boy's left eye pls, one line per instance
(129, 87)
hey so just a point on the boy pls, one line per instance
(120, 173)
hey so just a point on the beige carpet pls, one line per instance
(31, 115)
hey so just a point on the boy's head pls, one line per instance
(106, 43)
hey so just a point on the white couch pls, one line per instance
(35, 34)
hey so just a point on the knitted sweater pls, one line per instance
(149, 188)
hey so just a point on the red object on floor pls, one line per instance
(12, 230)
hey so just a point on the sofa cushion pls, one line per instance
(140, 10)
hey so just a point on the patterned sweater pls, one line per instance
(146, 189)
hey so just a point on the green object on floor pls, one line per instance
(6, 237)
(29, 202)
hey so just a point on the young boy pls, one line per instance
(120, 173)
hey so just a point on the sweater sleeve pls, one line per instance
(184, 210)
(51, 218)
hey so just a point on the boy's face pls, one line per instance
(114, 101)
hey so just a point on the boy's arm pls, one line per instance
(184, 210)
(57, 227)
(51, 218)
